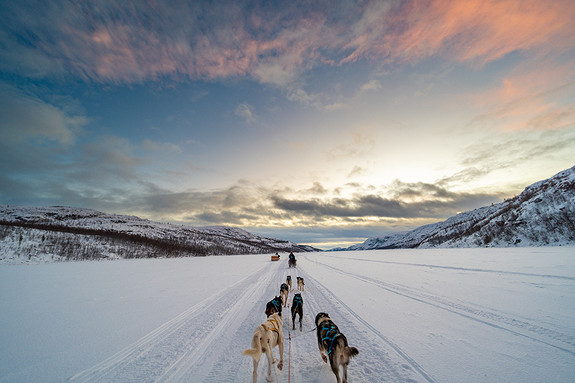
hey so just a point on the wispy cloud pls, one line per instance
(246, 112)
(128, 42)
(474, 31)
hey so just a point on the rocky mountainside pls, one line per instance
(63, 233)
(542, 215)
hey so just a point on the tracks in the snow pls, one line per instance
(492, 318)
(379, 359)
(168, 353)
(204, 343)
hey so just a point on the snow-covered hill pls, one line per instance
(542, 215)
(45, 234)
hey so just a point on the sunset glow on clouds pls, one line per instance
(318, 122)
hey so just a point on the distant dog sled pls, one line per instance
(292, 260)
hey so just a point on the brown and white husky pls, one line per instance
(267, 336)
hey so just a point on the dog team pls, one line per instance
(332, 343)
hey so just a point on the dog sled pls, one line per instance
(275, 258)
(291, 260)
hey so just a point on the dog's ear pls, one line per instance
(319, 316)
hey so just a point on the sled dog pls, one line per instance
(288, 281)
(300, 284)
(267, 336)
(284, 292)
(333, 343)
(274, 306)
(297, 309)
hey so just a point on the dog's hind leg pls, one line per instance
(345, 373)
(335, 369)
(256, 363)
(271, 361)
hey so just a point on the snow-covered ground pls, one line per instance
(456, 315)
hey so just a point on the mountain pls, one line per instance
(542, 215)
(45, 234)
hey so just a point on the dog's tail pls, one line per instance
(350, 351)
(256, 349)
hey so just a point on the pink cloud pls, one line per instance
(127, 43)
(478, 31)
(533, 96)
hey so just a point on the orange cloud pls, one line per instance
(477, 31)
(533, 96)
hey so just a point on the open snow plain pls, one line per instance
(456, 315)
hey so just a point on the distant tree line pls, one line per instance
(60, 242)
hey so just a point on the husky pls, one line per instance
(284, 292)
(333, 343)
(297, 309)
(288, 281)
(300, 284)
(267, 336)
(274, 306)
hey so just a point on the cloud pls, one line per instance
(370, 86)
(249, 205)
(24, 117)
(356, 171)
(246, 112)
(474, 31)
(112, 42)
(534, 96)
(518, 148)
(122, 43)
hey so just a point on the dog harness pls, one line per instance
(298, 300)
(331, 329)
(277, 305)
(274, 326)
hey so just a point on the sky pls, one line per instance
(319, 122)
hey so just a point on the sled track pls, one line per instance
(168, 353)
(515, 326)
(389, 370)
(475, 270)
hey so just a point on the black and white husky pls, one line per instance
(333, 343)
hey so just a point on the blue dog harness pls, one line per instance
(277, 305)
(331, 329)
(298, 300)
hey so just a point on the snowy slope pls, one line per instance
(46, 234)
(450, 316)
(543, 214)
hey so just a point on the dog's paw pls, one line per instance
(270, 379)
(324, 357)
(280, 365)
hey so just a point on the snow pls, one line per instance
(438, 315)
